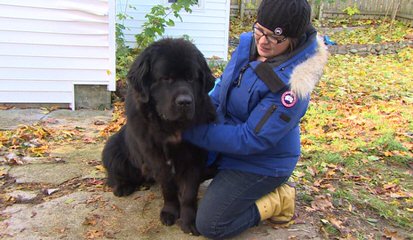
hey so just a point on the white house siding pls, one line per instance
(48, 46)
(207, 25)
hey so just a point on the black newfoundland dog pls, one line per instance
(168, 87)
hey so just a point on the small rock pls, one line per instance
(50, 191)
(59, 160)
(342, 50)
(50, 121)
(27, 159)
(353, 50)
(11, 156)
(99, 122)
(23, 196)
(13, 159)
(110, 234)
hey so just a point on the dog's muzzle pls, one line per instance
(184, 101)
(184, 104)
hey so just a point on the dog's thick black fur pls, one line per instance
(168, 87)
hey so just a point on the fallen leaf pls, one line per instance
(312, 170)
(91, 220)
(330, 173)
(100, 168)
(372, 220)
(391, 234)
(88, 140)
(324, 221)
(322, 203)
(94, 234)
(373, 158)
(337, 224)
(69, 201)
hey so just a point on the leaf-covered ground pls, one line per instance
(371, 34)
(357, 160)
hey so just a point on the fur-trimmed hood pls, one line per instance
(306, 75)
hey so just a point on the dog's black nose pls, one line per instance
(183, 100)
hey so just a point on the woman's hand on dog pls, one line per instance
(175, 138)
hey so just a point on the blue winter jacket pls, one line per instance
(258, 121)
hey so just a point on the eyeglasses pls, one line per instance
(272, 38)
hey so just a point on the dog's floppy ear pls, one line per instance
(139, 75)
(208, 80)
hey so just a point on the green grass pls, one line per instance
(389, 143)
(357, 136)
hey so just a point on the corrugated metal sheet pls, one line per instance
(47, 46)
(207, 25)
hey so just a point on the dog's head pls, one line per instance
(173, 76)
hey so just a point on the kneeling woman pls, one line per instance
(260, 99)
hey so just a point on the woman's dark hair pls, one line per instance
(293, 43)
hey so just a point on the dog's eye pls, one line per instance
(165, 79)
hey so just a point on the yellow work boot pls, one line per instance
(278, 205)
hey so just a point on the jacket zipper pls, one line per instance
(264, 119)
(241, 73)
(249, 89)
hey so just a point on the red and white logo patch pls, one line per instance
(288, 99)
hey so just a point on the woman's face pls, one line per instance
(268, 44)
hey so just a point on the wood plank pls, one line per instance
(54, 62)
(54, 74)
(35, 86)
(16, 49)
(56, 27)
(35, 97)
(25, 12)
(53, 39)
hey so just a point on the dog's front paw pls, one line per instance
(168, 218)
(189, 228)
(123, 190)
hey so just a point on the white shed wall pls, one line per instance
(48, 46)
(207, 25)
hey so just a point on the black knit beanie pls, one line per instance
(289, 18)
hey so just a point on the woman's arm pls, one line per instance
(266, 125)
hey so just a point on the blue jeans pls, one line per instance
(228, 206)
